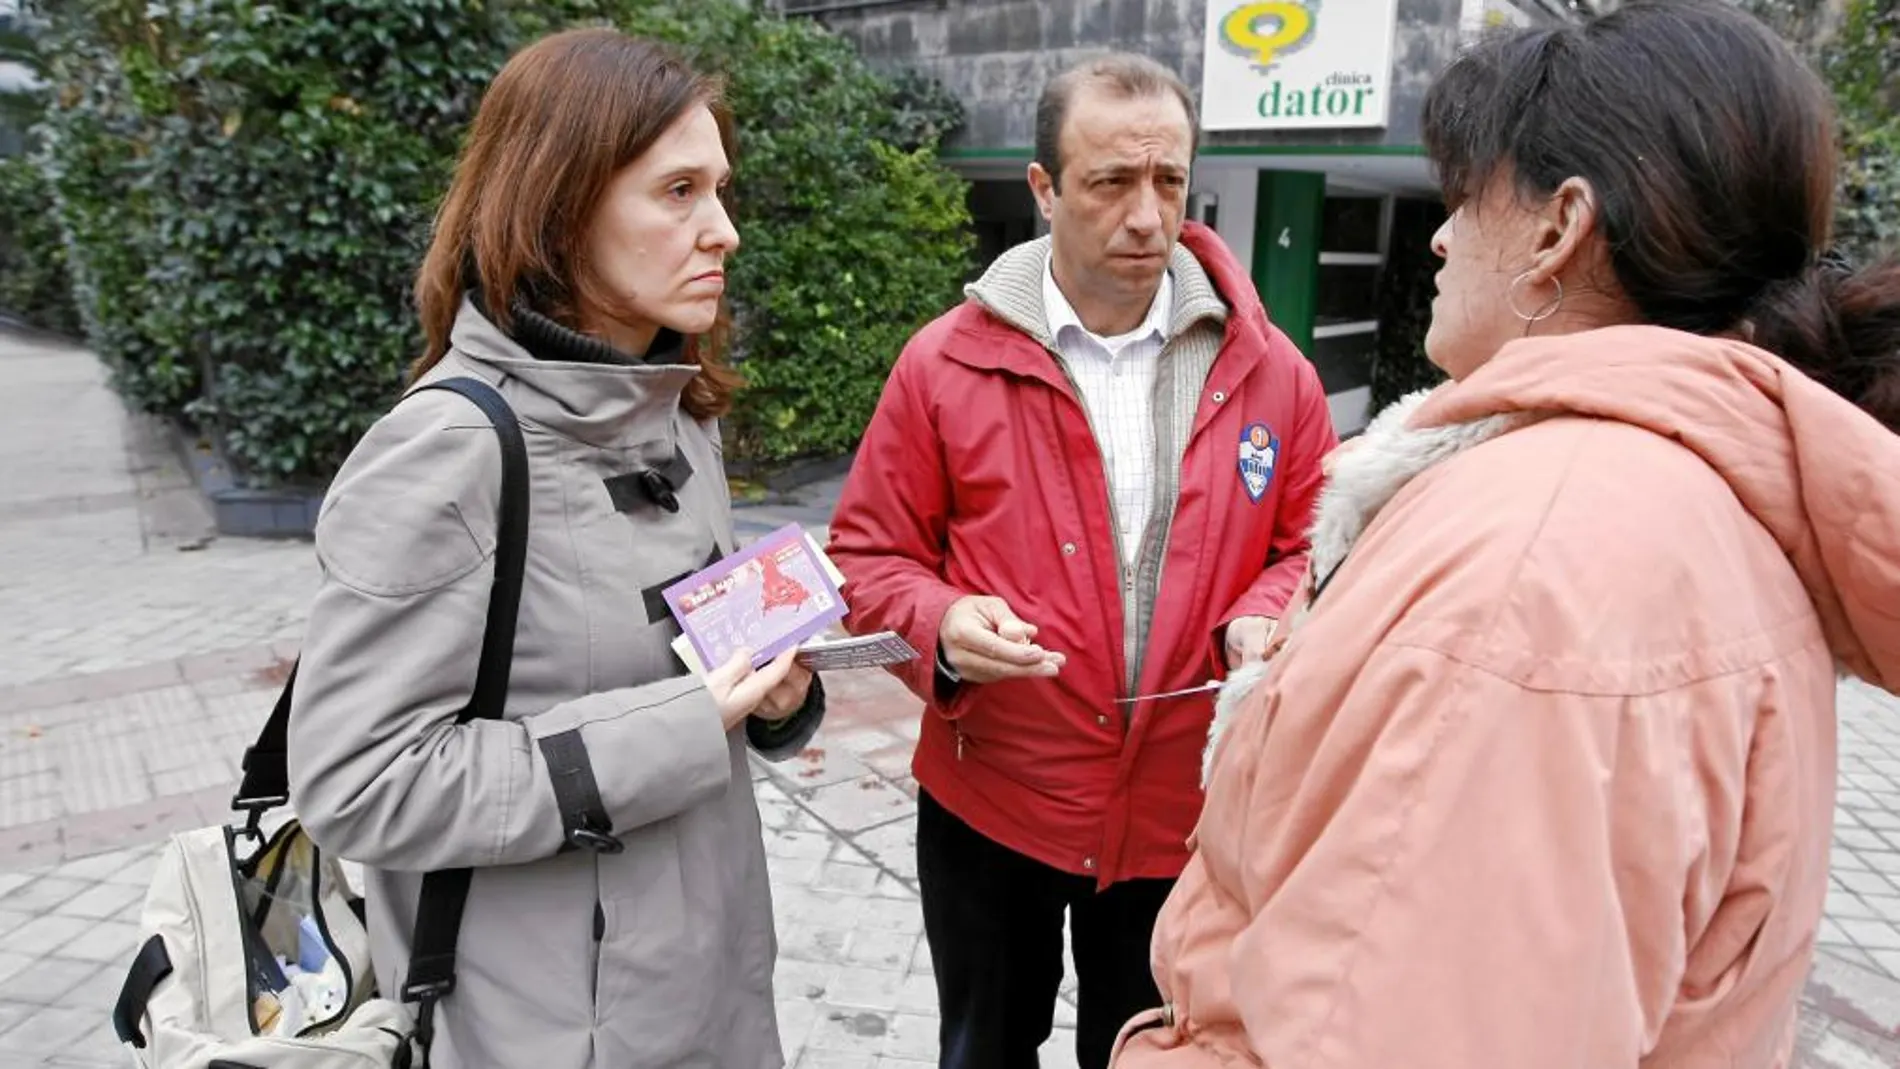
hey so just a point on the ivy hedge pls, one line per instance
(1862, 64)
(34, 286)
(246, 189)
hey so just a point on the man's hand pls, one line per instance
(1248, 638)
(984, 641)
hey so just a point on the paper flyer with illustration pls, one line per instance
(817, 652)
(769, 597)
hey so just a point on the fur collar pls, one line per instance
(1367, 474)
(1240, 683)
(1363, 477)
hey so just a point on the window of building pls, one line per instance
(1346, 307)
(1353, 225)
(1003, 215)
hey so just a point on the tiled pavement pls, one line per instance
(103, 557)
(136, 657)
(853, 979)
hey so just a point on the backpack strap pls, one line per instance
(266, 782)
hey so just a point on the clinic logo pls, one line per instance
(1264, 33)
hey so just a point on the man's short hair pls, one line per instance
(1125, 75)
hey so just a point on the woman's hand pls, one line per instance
(772, 692)
(788, 697)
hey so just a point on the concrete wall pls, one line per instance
(996, 55)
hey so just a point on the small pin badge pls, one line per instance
(1259, 453)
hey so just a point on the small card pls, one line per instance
(827, 655)
(864, 651)
(831, 569)
(769, 597)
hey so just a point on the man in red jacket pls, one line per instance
(1085, 487)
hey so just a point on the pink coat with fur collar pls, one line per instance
(1545, 778)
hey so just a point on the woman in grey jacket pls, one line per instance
(576, 267)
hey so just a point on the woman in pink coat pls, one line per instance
(1544, 775)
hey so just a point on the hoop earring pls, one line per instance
(1544, 311)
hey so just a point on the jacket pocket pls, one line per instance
(601, 924)
(606, 915)
(656, 958)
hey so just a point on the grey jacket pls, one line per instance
(660, 955)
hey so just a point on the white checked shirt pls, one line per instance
(1116, 377)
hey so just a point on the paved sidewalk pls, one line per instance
(138, 656)
(131, 637)
(105, 542)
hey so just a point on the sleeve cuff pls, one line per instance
(945, 681)
(783, 739)
(656, 750)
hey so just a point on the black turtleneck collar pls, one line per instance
(546, 339)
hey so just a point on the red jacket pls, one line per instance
(979, 475)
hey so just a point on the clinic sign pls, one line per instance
(1297, 64)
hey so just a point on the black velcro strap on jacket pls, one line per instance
(584, 819)
(655, 595)
(151, 965)
(651, 486)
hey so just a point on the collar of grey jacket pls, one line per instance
(575, 386)
(545, 339)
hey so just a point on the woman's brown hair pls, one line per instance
(1711, 147)
(561, 119)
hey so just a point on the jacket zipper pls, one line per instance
(600, 945)
(1131, 637)
(1165, 518)
(1135, 650)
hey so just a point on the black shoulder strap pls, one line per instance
(431, 972)
(511, 551)
(266, 782)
